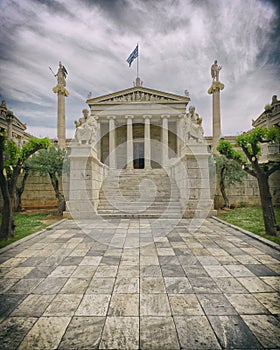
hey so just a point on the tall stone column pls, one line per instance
(112, 144)
(60, 90)
(164, 139)
(129, 143)
(214, 90)
(180, 133)
(147, 141)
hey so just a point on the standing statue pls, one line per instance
(192, 128)
(86, 129)
(215, 70)
(61, 75)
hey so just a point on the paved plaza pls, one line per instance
(215, 288)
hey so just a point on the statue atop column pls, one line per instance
(215, 70)
(86, 129)
(193, 130)
(61, 80)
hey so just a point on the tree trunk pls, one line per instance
(7, 212)
(58, 194)
(19, 191)
(267, 207)
(222, 187)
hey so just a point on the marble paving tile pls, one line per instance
(106, 271)
(255, 285)
(9, 302)
(239, 271)
(208, 260)
(45, 334)
(227, 260)
(246, 259)
(216, 304)
(129, 260)
(120, 333)
(177, 285)
(204, 285)
(13, 330)
(215, 271)
(50, 286)
(24, 286)
(7, 283)
(34, 305)
(75, 285)
(63, 305)
(110, 260)
(274, 267)
(150, 271)
(149, 260)
(39, 272)
(233, 333)
(246, 304)
(13, 262)
(32, 262)
(128, 271)
(166, 260)
(188, 260)
(124, 305)
(93, 305)
(63, 271)
(158, 333)
(154, 305)
(172, 271)
(190, 333)
(18, 272)
(99, 285)
(83, 333)
(126, 285)
(261, 270)
(274, 282)
(91, 260)
(270, 300)
(230, 285)
(195, 271)
(266, 259)
(83, 271)
(185, 305)
(265, 328)
(152, 285)
(165, 251)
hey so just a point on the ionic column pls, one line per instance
(180, 133)
(129, 126)
(147, 141)
(112, 151)
(164, 139)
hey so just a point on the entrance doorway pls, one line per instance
(138, 155)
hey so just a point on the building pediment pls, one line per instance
(138, 95)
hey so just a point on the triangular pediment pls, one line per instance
(138, 94)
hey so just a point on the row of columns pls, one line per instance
(147, 140)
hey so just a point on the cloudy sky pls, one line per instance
(178, 39)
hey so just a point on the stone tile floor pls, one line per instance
(215, 288)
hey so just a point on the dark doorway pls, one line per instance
(138, 155)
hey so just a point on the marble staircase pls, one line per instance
(139, 194)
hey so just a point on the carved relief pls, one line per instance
(138, 96)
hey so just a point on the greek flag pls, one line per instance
(132, 56)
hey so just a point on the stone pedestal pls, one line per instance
(86, 175)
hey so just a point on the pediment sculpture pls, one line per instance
(138, 96)
(86, 129)
(193, 130)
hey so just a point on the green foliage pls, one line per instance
(226, 149)
(251, 219)
(233, 171)
(48, 161)
(26, 224)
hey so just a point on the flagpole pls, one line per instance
(137, 62)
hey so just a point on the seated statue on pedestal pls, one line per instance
(192, 128)
(86, 129)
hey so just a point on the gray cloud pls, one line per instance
(179, 39)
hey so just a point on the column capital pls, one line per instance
(147, 116)
(111, 117)
(165, 116)
(129, 116)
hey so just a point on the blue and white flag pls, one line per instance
(132, 56)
